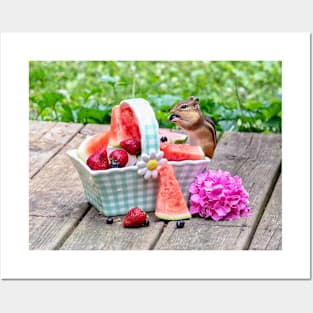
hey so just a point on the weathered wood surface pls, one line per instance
(60, 217)
(46, 142)
(38, 129)
(268, 235)
(257, 159)
(57, 200)
(200, 235)
(92, 129)
(94, 234)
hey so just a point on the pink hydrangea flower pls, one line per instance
(218, 195)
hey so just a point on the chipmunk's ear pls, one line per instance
(196, 103)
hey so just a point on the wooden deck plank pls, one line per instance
(268, 235)
(92, 129)
(57, 200)
(94, 234)
(60, 217)
(199, 235)
(43, 148)
(256, 159)
(38, 129)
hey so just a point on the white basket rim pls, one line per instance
(73, 154)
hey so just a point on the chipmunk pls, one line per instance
(200, 128)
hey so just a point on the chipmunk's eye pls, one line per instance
(184, 106)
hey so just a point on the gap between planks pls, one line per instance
(268, 235)
(85, 224)
(61, 146)
(86, 130)
(43, 219)
(263, 207)
(219, 136)
(250, 159)
(71, 229)
(90, 130)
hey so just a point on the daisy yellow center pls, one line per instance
(152, 165)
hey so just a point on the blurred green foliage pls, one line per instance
(237, 95)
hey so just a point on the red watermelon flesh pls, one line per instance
(92, 144)
(124, 125)
(171, 204)
(180, 152)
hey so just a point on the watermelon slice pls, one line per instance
(173, 137)
(180, 152)
(124, 125)
(170, 204)
(93, 143)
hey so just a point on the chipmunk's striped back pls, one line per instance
(211, 126)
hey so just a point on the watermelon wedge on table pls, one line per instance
(171, 204)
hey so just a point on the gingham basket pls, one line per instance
(114, 191)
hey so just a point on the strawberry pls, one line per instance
(131, 145)
(99, 160)
(135, 218)
(119, 156)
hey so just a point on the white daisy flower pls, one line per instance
(149, 164)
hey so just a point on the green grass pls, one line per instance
(238, 96)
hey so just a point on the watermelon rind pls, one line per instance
(180, 141)
(170, 204)
(82, 148)
(166, 217)
(173, 137)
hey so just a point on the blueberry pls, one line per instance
(114, 164)
(180, 224)
(146, 223)
(163, 139)
(109, 220)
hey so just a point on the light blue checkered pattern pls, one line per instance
(115, 191)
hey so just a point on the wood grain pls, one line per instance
(197, 234)
(60, 217)
(57, 200)
(92, 129)
(256, 159)
(268, 235)
(94, 234)
(38, 129)
(48, 142)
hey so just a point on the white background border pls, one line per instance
(293, 262)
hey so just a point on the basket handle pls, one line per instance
(148, 125)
